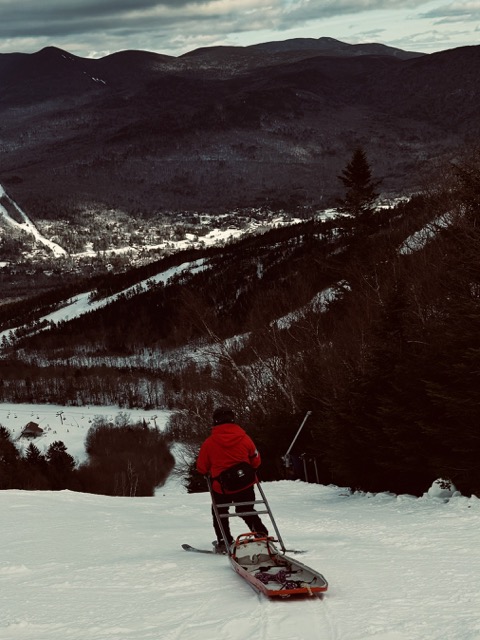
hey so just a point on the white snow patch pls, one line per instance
(419, 239)
(27, 225)
(443, 489)
(319, 303)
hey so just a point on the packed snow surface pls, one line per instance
(76, 566)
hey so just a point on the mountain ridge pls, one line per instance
(221, 128)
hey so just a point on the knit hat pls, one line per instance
(223, 415)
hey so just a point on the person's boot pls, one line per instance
(219, 546)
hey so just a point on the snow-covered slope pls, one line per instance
(26, 225)
(77, 566)
(83, 303)
(69, 424)
(420, 238)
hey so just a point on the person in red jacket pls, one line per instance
(228, 445)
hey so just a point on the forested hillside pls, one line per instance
(223, 127)
(368, 321)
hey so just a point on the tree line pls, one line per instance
(75, 385)
(389, 370)
(122, 459)
(358, 320)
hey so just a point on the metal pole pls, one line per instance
(217, 515)
(271, 517)
(286, 456)
(305, 468)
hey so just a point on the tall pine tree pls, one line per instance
(360, 191)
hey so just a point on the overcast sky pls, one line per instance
(94, 28)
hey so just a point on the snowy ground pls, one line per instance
(77, 566)
(26, 224)
(68, 424)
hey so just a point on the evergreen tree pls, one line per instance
(467, 178)
(60, 465)
(8, 460)
(34, 469)
(33, 455)
(360, 190)
(194, 482)
(452, 379)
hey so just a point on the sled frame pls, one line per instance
(266, 510)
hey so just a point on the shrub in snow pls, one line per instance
(442, 488)
(128, 460)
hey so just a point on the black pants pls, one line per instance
(253, 522)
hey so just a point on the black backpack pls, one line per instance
(236, 478)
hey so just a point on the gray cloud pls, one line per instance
(84, 27)
(455, 11)
(306, 10)
(27, 18)
(121, 22)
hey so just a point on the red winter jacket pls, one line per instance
(227, 445)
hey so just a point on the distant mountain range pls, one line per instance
(225, 127)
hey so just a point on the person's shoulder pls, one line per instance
(247, 437)
(206, 441)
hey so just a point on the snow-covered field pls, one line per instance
(77, 566)
(68, 424)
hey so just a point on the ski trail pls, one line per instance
(279, 619)
(316, 614)
(196, 618)
(327, 616)
(83, 302)
(27, 225)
